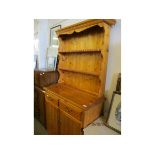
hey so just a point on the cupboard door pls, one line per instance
(68, 125)
(51, 118)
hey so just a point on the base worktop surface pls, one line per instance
(81, 98)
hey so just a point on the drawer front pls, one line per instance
(52, 99)
(74, 112)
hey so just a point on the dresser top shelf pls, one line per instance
(82, 99)
(81, 26)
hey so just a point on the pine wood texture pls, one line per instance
(77, 97)
(79, 93)
(71, 110)
(52, 114)
(80, 107)
(81, 26)
(83, 52)
(68, 125)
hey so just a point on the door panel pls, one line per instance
(51, 118)
(68, 126)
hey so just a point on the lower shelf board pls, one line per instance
(79, 71)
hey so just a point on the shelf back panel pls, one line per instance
(84, 62)
(80, 81)
(91, 38)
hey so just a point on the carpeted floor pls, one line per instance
(98, 128)
(38, 128)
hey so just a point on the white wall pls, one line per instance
(36, 26)
(43, 32)
(114, 57)
(114, 63)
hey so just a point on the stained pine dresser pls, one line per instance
(78, 97)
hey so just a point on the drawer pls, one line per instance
(73, 111)
(52, 99)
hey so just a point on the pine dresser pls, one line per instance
(78, 97)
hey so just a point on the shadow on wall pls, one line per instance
(108, 94)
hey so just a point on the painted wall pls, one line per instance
(114, 63)
(43, 32)
(36, 26)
